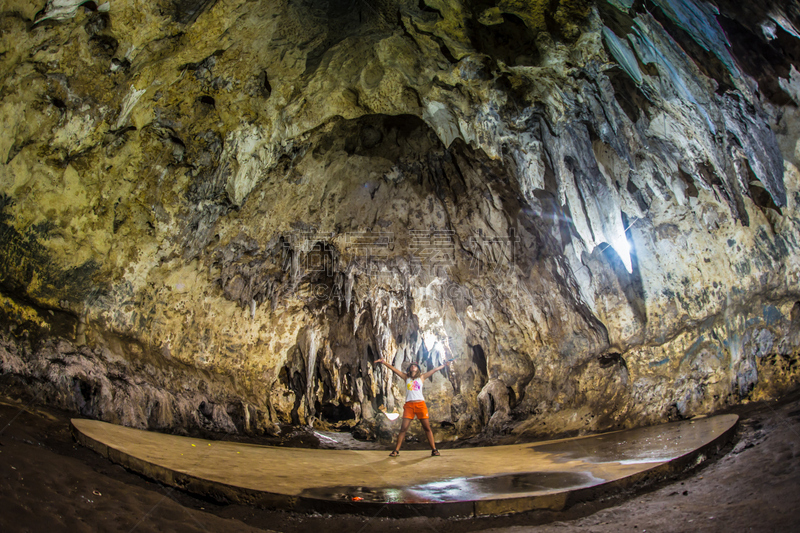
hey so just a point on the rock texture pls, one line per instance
(216, 213)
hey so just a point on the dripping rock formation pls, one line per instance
(216, 214)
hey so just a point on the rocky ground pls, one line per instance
(49, 483)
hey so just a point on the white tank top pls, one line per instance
(414, 390)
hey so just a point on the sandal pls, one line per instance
(394, 453)
(435, 453)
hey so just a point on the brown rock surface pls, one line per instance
(216, 214)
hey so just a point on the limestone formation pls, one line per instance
(216, 214)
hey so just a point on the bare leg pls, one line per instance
(428, 432)
(402, 435)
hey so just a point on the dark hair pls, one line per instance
(408, 370)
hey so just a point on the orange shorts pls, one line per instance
(415, 408)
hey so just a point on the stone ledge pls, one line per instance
(552, 475)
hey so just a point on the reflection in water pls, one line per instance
(653, 444)
(462, 489)
(639, 446)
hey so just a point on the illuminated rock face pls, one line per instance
(218, 214)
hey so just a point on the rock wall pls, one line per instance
(216, 214)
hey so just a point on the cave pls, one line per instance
(242, 221)
(335, 413)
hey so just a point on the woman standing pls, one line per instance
(415, 403)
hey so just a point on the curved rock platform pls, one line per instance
(461, 482)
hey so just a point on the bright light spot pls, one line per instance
(393, 495)
(430, 341)
(321, 436)
(623, 248)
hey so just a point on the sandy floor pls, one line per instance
(50, 484)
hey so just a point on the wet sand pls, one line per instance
(49, 483)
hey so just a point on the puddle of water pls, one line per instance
(461, 489)
(643, 445)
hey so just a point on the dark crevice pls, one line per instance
(337, 20)
(795, 318)
(511, 42)
(618, 21)
(512, 398)
(207, 100)
(97, 23)
(187, 11)
(760, 196)
(479, 360)
(58, 102)
(611, 359)
(637, 195)
(425, 8)
(688, 181)
(103, 46)
(442, 46)
(264, 85)
(333, 413)
(765, 61)
(628, 95)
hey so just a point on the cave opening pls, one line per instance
(85, 393)
(479, 360)
(334, 413)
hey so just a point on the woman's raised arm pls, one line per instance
(401, 375)
(429, 373)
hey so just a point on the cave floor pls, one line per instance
(462, 482)
(50, 483)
